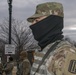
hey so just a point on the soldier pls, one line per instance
(57, 56)
(24, 64)
(9, 66)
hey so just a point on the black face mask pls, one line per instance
(48, 30)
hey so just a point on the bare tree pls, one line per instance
(68, 39)
(21, 35)
(73, 42)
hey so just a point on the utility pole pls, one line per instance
(10, 18)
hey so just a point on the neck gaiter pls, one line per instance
(48, 30)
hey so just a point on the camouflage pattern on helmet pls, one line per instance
(46, 9)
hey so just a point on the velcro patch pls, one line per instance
(72, 66)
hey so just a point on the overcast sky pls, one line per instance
(22, 9)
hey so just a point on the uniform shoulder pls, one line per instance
(65, 45)
(64, 60)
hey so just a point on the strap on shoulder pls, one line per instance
(47, 53)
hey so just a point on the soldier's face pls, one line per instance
(38, 19)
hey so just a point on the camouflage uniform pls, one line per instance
(24, 65)
(8, 67)
(61, 61)
(58, 61)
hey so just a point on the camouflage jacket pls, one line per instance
(24, 67)
(61, 61)
(8, 68)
